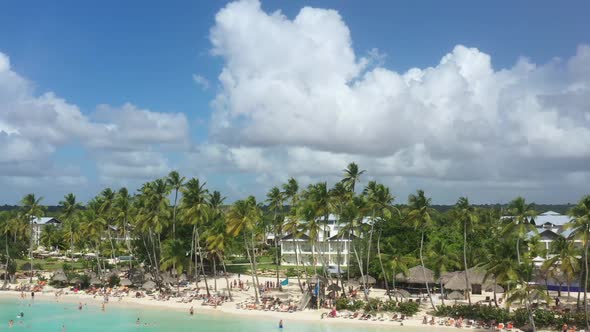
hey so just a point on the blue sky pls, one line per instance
(148, 53)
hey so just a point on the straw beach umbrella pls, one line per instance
(367, 279)
(456, 296)
(334, 287)
(401, 293)
(125, 282)
(59, 277)
(95, 281)
(148, 285)
(415, 275)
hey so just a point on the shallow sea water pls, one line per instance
(43, 315)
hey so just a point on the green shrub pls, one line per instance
(373, 305)
(390, 306)
(27, 266)
(408, 308)
(114, 280)
(342, 304)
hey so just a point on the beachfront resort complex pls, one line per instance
(251, 165)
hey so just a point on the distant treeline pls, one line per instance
(53, 210)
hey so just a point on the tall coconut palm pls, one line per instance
(69, 210)
(276, 199)
(565, 259)
(521, 221)
(379, 202)
(175, 181)
(339, 197)
(195, 211)
(242, 219)
(467, 215)
(318, 200)
(419, 216)
(444, 258)
(107, 212)
(123, 206)
(352, 175)
(31, 209)
(218, 242)
(580, 226)
(293, 227)
(524, 291)
(397, 262)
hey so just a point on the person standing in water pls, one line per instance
(281, 324)
(191, 311)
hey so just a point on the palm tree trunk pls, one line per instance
(252, 268)
(254, 262)
(495, 294)
(467, 288)
(424, 271)
(174, 215)
(339, 258)
(370, 240)
(231, 299)
(362, 274)
(442, 292)
(295, 247)
(381, 264)
(214, 274)
(530, 313)
(201, 260)
(585, 284)
(7, 262)
(518, 249)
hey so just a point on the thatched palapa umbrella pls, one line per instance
(148, 285)
(334, 288)
(59, 277)
(456, 296)
(367, 280)
(415, 275)
(125, 282)
(401, 293)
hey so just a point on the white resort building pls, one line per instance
(38, 224)
(331, 248)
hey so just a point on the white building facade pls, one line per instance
(38, 224)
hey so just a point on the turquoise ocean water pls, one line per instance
(44, 315)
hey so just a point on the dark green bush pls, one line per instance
(390, 306)
(114, 280)
(408, 308)
(373, 305)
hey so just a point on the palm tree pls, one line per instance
(218, 240)
(108, 214)
(524, 291)
(444, 258)
(397, 262)
(580, 225)
(195, 211)
(293, 227)
(69, 209)
(242, 219)
(175, 181)
(339, 197)
(419, 216)
(122, 216)
(521, 223)
(467, 215)
(174, 256)
(275, 199)
(352, 175)
(31, 209)
(565, 259)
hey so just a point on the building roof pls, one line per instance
(551, 217)
(46, 221)
(300, 237)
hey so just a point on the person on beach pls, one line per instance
(281, 324)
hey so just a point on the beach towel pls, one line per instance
(285, 282)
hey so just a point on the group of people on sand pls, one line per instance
(238, 283)
(565, 328)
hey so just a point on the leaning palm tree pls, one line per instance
(242, 220)
(444, 258)
(524, 291)
(521, 221)
(175, 181)
(467, 215)
(218, 242)
(419, 216)
(31, 209)
(580, 225)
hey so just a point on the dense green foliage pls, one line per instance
(177, 225)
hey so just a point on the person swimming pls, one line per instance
(281, 324)
(137, 322)
(21, 315)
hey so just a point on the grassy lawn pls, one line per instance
(48, 264)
